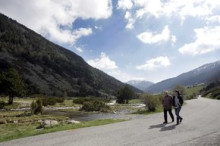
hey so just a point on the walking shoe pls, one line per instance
(164, 122)
(181, 120)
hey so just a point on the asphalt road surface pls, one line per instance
(200, 126)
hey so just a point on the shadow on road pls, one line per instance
(156, 126)
(171, 127)
(163, 127)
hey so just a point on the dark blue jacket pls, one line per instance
(180, 100)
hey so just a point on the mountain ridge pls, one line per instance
(49, 68)
(140, 84)
(203, 74)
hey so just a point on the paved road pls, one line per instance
(201, 126)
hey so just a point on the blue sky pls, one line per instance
(128, 39)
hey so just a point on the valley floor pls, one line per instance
(200, 126)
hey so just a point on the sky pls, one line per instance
(148, 40)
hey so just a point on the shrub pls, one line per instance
(81, 100)
(60, 99)
(48, 101)
(2, 104)
(88, 99)
(36, 107)
(151, 102)
(216, 93)
(213, 93)
(3, 121)
(95, 105)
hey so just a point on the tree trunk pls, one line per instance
(10, 100)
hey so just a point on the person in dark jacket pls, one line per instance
(177, 103)
(167, 103)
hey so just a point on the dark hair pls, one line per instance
(178, 93)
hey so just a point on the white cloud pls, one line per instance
(152, 7)
(161, 61)
(213, 19)
(79, 49)
(98, 27)
(130, 19)
(183, 8)
(140, 13)
(103, 63)
(127, 15)
(207, 40)
(54, 18)
(125, 4)
(109, 66)
(123, 76)
(81, 32)
(66, 36)
(173, 39)
(201, 9)
(151, 38)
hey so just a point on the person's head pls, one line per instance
(165, 93)
(176, 92)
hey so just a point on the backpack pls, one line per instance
(180, 99)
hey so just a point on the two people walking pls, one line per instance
(168, 102)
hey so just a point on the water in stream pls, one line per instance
(83, 116)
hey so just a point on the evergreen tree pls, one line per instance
(12, 84)
(124, 94)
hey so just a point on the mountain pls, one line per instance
(48, 68)
(204, 74)
(142, 85)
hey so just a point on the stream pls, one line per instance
(85, 116)
(88, 116)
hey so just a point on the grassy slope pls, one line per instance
(192, 92)
(14, 131)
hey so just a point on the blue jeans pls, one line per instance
(177, 112)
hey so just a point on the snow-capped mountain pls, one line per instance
(203, 74)
(140, 84)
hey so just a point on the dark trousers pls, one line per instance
(165, 114)
(177, 112)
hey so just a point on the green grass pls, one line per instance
(134, 101)
(17, 103)
(26, 102)
(15, 131)
(66, 103)
(192, 92)
(123, 107)
(22, 117)
(10, 113)
(22, 123)
(146, 112)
